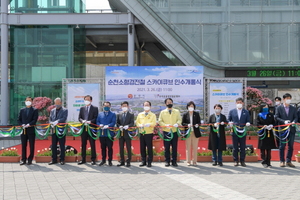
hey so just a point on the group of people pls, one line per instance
(169, 120)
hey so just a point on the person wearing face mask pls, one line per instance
(285, 115)
(88, 115)
(106, 120)
(125, 120)
(146, 122)
(217, 139)
(191, 120)
(58, 115)
(265, 119)
(170, 119)
(239, 117)
(27, 119)
(277, 103)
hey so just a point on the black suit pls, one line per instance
(28, 133)
(92, 116)
(281, 117)
(125, 138)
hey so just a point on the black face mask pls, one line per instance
(170, 105)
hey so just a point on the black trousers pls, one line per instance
(174, 144)
(84, 137)
(146, 142)
(106, 143)
(265, 155)
(62, 143)
(127, 141)
(29, 136)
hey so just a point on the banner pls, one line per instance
(224, 94)
(154, 83)
(75, 95)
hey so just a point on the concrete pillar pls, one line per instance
(131, 32)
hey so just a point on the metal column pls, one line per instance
(131, 33)
(4, 64)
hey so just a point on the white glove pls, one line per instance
(105, 127)
(120, 127)
(141, 126)
(126, 127)
(175, 125)
(189, 125)
(27, 125)
(88, 122)
(23, 126)
(286, 121)
(230, 124)
(55, 122)
(196, 125)
(247, 124)
(215, 124)
(167, 125)
(271, 126)
(202, 121)
(222, 123)
(101, 125)
(293, 122)
(147, 125)
(83, 121)
(267, 127)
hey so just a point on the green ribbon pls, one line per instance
(64, 132)
(78, 132)
(45, 135)
(240, 136)
(187, 134)
(166, 139)
(91, 134)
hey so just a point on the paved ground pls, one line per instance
(72, 181)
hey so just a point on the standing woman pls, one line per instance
(191, 119)
(266, 142)
(217, 139)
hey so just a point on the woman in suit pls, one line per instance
(266, 120)
(191, 119)
(217, 140)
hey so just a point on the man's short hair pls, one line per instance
(29, 98)
(168, 99)
(286, 95)
(88, 96)
(239, 99)
(125, 102)
(278, 98)
(107, 102)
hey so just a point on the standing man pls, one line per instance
(124, 121)
(27, 119)
(105, 120)
(146, 122)
(239, 117)
(170, 119)
(277, 103)
(87, 115)
(58, 115)
(286, 115)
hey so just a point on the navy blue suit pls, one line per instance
(30, 119)
(239, 143)
(61, 116)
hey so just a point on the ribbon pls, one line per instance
(94, 133)
(237, 130)
(185, 134)
(42, 132)
(75, 130)
(61, 131)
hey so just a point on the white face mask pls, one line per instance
(28, 103)
(239, 106)
(87, 102)
(218, 111)
(146, 108)
(124, 109)
(277, 103)
(288, 101)
(190, 109)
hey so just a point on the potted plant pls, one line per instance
(157, 141)
(43, 155)
(70, 155)
(298, 157)
(9, 155)
(204, 155)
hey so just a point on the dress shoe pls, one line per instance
(214, 164)
(188, 164)
(22, 162)
(220, 164)
(142, 164)
(62, 162)
(269, 166)
(81, 162)
(29, 162)
(102, 163)
(290, 164)
(93, 162)
(195, 163)
(243, 164)
(236, 164)
(149, 165)
(265, 165)
(282, 164)
(128, 165)
(110, 163)
(167, 164)
(121, 164)
(174, 164)
(52, 162)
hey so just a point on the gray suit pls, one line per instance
(281, 116)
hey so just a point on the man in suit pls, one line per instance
(106, 120)
(124, 121)
(277, 103)
(27, 119)
(286, 115)
(58, 115)
(170, 119)
(87, 115)
(239, 117)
